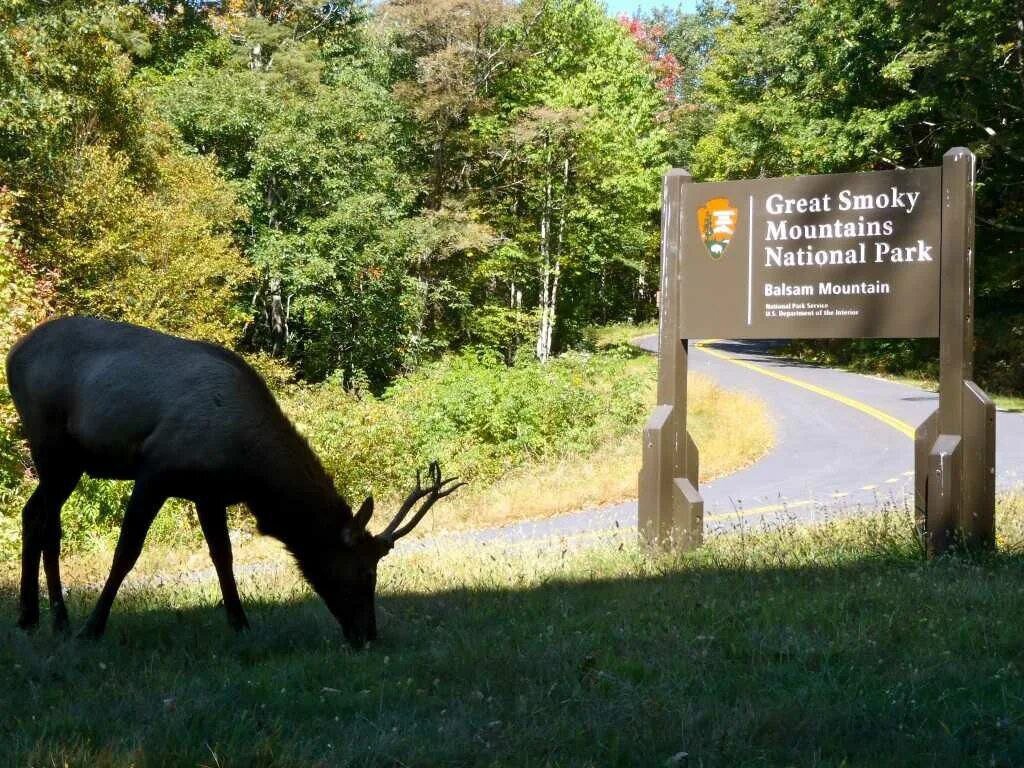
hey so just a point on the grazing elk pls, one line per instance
(189, 420)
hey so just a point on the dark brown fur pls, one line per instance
(189, 420)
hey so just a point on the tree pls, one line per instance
(802, 87)
(574, 155)
(319, 150)
(452, 52)
(161, 257)
(111, 211)
(61, 91)
(680, 46)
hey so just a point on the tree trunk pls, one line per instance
(277, 315)
(543, 347)
(552, 267)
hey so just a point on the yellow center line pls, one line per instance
(885, 418)
(768, 508)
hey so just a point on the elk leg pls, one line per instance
(214, 521)
(142, 509)
(51, 554)
(31, 549)
(40, 534)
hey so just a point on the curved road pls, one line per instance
(843, 444)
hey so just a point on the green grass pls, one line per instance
(1009, 403)
(830, 646)
(602, 336)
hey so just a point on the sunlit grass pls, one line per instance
(829, 645)
(1011, 403)
(731, 430)
(620, 333)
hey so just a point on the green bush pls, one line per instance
(477, 416)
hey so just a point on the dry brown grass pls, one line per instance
(731, 430)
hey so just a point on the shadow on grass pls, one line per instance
(882, 660)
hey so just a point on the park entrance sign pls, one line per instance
(847, 256)
(887, 254)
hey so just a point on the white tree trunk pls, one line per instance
(552, 305)
(552, 269)
(543, 347)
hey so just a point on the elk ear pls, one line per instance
(364, 514)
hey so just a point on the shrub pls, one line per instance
(21, 306)
(477, 416)
(473, 413)
(163, 259)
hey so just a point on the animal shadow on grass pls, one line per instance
(760, 662)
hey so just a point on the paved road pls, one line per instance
(841, 446)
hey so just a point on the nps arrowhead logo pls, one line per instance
(717, 221)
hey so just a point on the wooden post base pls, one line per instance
(954, 478)
(670, 509)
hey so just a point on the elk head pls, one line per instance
(351, 581)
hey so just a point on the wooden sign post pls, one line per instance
(671, 511)
(955, 447)
(888, 254)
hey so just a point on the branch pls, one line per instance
(998, 225)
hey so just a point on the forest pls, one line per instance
(433, 227)
(356, 194)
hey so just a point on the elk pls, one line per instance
(189, 420)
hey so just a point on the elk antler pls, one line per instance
(437, 489)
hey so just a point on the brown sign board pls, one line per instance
(846, 255)
(851, 255)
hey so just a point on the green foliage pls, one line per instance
(476, 415)
(22, 305)
(65, 82)
(587, 146)
(124, 222)
(163, 259)
(318, 153)
(406, 186)
(804, 87)
(541, 122)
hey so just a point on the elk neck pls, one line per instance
(293, 498)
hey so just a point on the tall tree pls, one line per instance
(110, 209)
(575, 152)
(848, 85)
(320, 152)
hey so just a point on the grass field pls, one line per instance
(731, 430)
(831, 646)
(1009, 403)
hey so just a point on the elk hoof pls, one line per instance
(28, 621)
(61, 624)
(89, 632)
